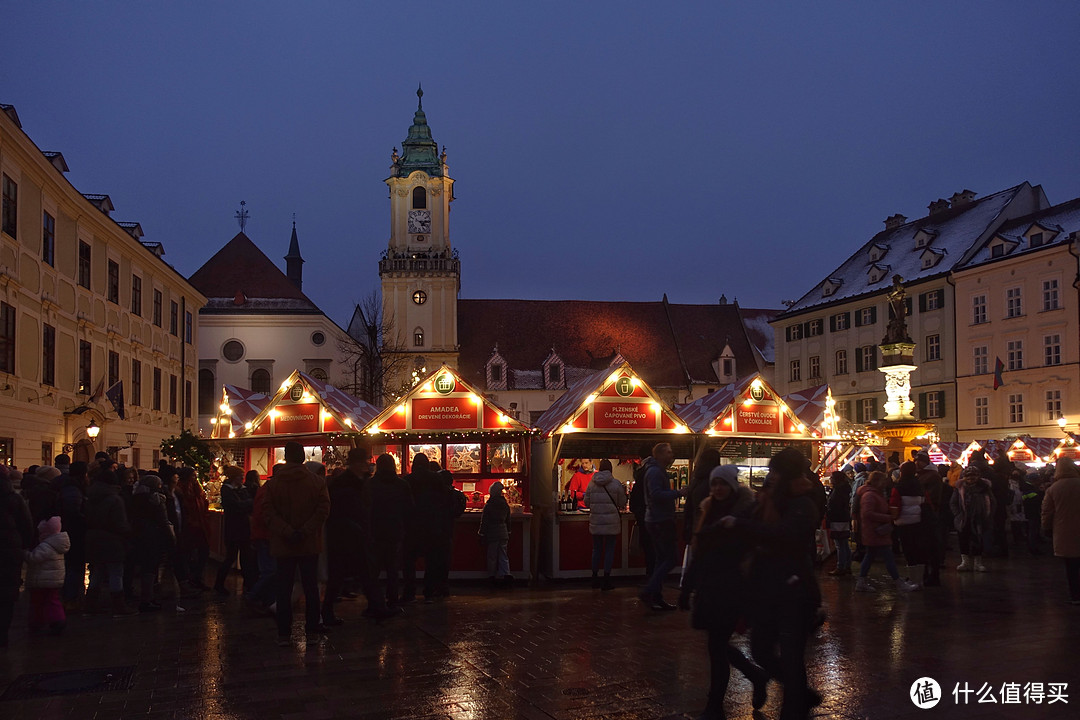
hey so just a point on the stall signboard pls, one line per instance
(758, 419)
(611, 400)
(443, 402)
(296, 419)
(748, 408)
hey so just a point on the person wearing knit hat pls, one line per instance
(1061, 520)
(45, 576)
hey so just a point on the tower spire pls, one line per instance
(294, 263)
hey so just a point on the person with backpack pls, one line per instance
(605, 497)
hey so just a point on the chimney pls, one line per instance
(894, 221)
(962, 198)
(938, 206)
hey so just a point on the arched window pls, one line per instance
(418, 337)
(319, 374)
(419, 198)
(207, 392)
(260, 381)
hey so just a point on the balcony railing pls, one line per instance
(415, 265)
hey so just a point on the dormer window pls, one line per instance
(930, 258)
(923, 238)
(877, 252)
(877, 273)
(830, 287)
(1035, 239)
(1002, 246)
(496, 371)
(554, 374)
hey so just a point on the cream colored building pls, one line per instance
(1016, 301)
(831, 334)
(85, 305)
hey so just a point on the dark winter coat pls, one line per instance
(43, 499)
(152, 532)
(345, 525)
(420, 523)
(495, 520)
(715, 575)
(73, 514)
(17, 535)
(451, 504)
(388, 504)
(295, 505)
(972, 505)
(237, 505)
(838, 510)
(659, 496)
(108, 531)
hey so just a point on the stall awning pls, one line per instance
(303, 405)
(814, 408)
(946, 452)
(238, 407)
(444, 403)
(1032, 449)
(611, 401)
(748, 408)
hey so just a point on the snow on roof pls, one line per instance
(1064, 219)
(955, 230)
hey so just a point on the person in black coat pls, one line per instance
(237, 505)
(73, 520)
(153, 535)
(17, 535)
(345, 549)
(387, 506)
(449, 504)
(838, 519)
(418, 525)
(108, 538)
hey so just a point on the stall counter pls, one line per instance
(572, 546)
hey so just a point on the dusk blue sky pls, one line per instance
(600, 150)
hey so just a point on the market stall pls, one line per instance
(748, 422)
(446, 419)
(612, 414)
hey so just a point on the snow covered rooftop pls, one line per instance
(1056, 224)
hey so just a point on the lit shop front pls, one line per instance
(748, 423)
(447, 420)
(614, 415)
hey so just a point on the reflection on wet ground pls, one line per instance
(566, 651)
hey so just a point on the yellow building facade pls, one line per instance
(87, 310)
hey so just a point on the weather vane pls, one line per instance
(242, 215)
(294, 221)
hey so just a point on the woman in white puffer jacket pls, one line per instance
(606, 499)
(45, 576)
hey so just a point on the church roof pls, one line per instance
(669, 345)
(240, 278)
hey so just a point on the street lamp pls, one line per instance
(92, 430)
(131, 438)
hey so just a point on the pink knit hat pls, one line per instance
(48, 528)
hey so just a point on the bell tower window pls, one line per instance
(418, 337)
(419, 198)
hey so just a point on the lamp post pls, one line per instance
(131, 438)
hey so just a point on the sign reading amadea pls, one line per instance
(449, 413)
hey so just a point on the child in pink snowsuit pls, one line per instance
(45, 576)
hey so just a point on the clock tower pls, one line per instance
(420, 272)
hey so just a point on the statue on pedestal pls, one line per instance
(896, 331)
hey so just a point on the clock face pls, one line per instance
(419, 221)
(419, 297)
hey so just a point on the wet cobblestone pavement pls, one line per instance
(564, 651)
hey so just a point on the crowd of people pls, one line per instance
(751, 567)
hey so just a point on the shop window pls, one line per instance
(463, 459)
(260, 381)
(7, 451)
(419, 198)
(504, 457)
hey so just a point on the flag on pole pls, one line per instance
(999, 367)
(115, 394)
(97, 394)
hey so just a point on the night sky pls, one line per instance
(611, 151)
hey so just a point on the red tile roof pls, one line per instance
(669, 345)
(241, 270)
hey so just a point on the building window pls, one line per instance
(84, 264)
(729, 367)
(982, 411)
(156, 317)
(866, 316)
(172, 394)
(796, 370)
(188, 327)
(866, 359)
(187, 398)
(1052, 350)
(1016, 408)
(7, 338)
(496, 373)
(260, 381)
(554, 374)
(815, 367)
(815, 328)
(997, 250)
(794, 332)
(155, 391)
(317, 338)
(1053, 404)
(1050, 295)
(84, 367)
(934, 300)
(419, 198)
(136, 295)
(48, 354)
(47, 457)
(48, 239)
(981, 357)
(232, 350)
(933, 347)
(319, 374)
(136, 383)
(174, 318)
(840, 321)
(841, 362)
(933, 404)
(1035, 239)
(11, 207)
(112, 288)
(418, 337)
(113, 368)
(1016, 355)
(869, 409)
(207, 392)
(978, 309)
(1014, 306)
(843, 409)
